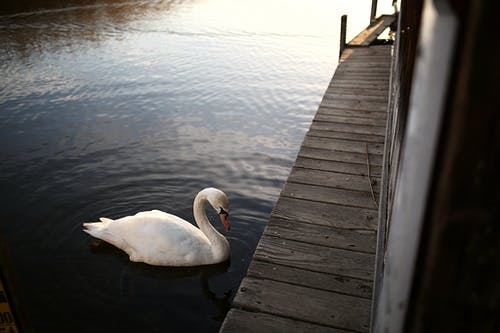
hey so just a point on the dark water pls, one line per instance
(109, 107)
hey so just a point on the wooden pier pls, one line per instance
(313, 267)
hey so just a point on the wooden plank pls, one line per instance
(355, 105)
(346, 168)
(350, 89)
(358, 82)
(344, 145)
(367, 36)
(354, 199)
(339, 156)
(352, 113)
(364, 37)
(365, 73)
(349, 120)
(316, 258)
(334, 215)
(333, 179)
(358, 69)
(351, 75)
(348, 128)
(374, 50)
(366, 64)
(346, 136)
(301, 277)
(305, 304)
(358, 240)
(357, 55)
(353, 96)
(241, 321)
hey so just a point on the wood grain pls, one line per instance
(335, 215)
(339, 167)
(343, 145)
(304, 304)
(350, 198)
(381, 115)
(241, 321)
(339, 156)
(301, 277)
(356, 240)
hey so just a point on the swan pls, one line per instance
(162, 239)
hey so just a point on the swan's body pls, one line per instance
(158, 238)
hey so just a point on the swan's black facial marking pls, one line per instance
(223, 212)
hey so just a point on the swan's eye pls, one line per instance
(223, 212)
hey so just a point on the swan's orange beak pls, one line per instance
(225, 221)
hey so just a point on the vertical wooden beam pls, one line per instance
(373, 13)
(343, 27)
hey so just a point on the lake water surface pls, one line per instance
(112, 107)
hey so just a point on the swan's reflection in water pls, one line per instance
(133, 274)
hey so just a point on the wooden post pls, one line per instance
(343, 26)
(373, 13)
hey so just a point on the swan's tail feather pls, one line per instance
(105, 220)
(97, 229)
(101, 230)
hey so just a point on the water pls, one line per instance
(108, 108)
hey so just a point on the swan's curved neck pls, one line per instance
(200, 216)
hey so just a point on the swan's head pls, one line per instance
(219, 201)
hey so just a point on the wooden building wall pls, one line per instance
(441, 264)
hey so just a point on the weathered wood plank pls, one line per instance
(375, 50)
(240, 321)
(358, 240)
(371, 64)
(316, 258)
(330, 282)
(305, 304)
(381, 115)
(379, 79)
(346, 136)
(348, 128)
(332, 195)
(361, 199)
(344, 145)
(334, 215)
(356, 72)
(339, 156)
(346, 168)
(355, 105)
(367, 36)
(356, 85)
(354, 96)
(362, 57)
(349, 120)
(333, 179)
(349, 89)
(360, 71)
(358, 82)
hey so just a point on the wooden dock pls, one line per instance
(313, 267)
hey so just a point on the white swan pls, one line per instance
(163, 239)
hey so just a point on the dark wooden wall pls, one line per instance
(455, 284)
(457, 277)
